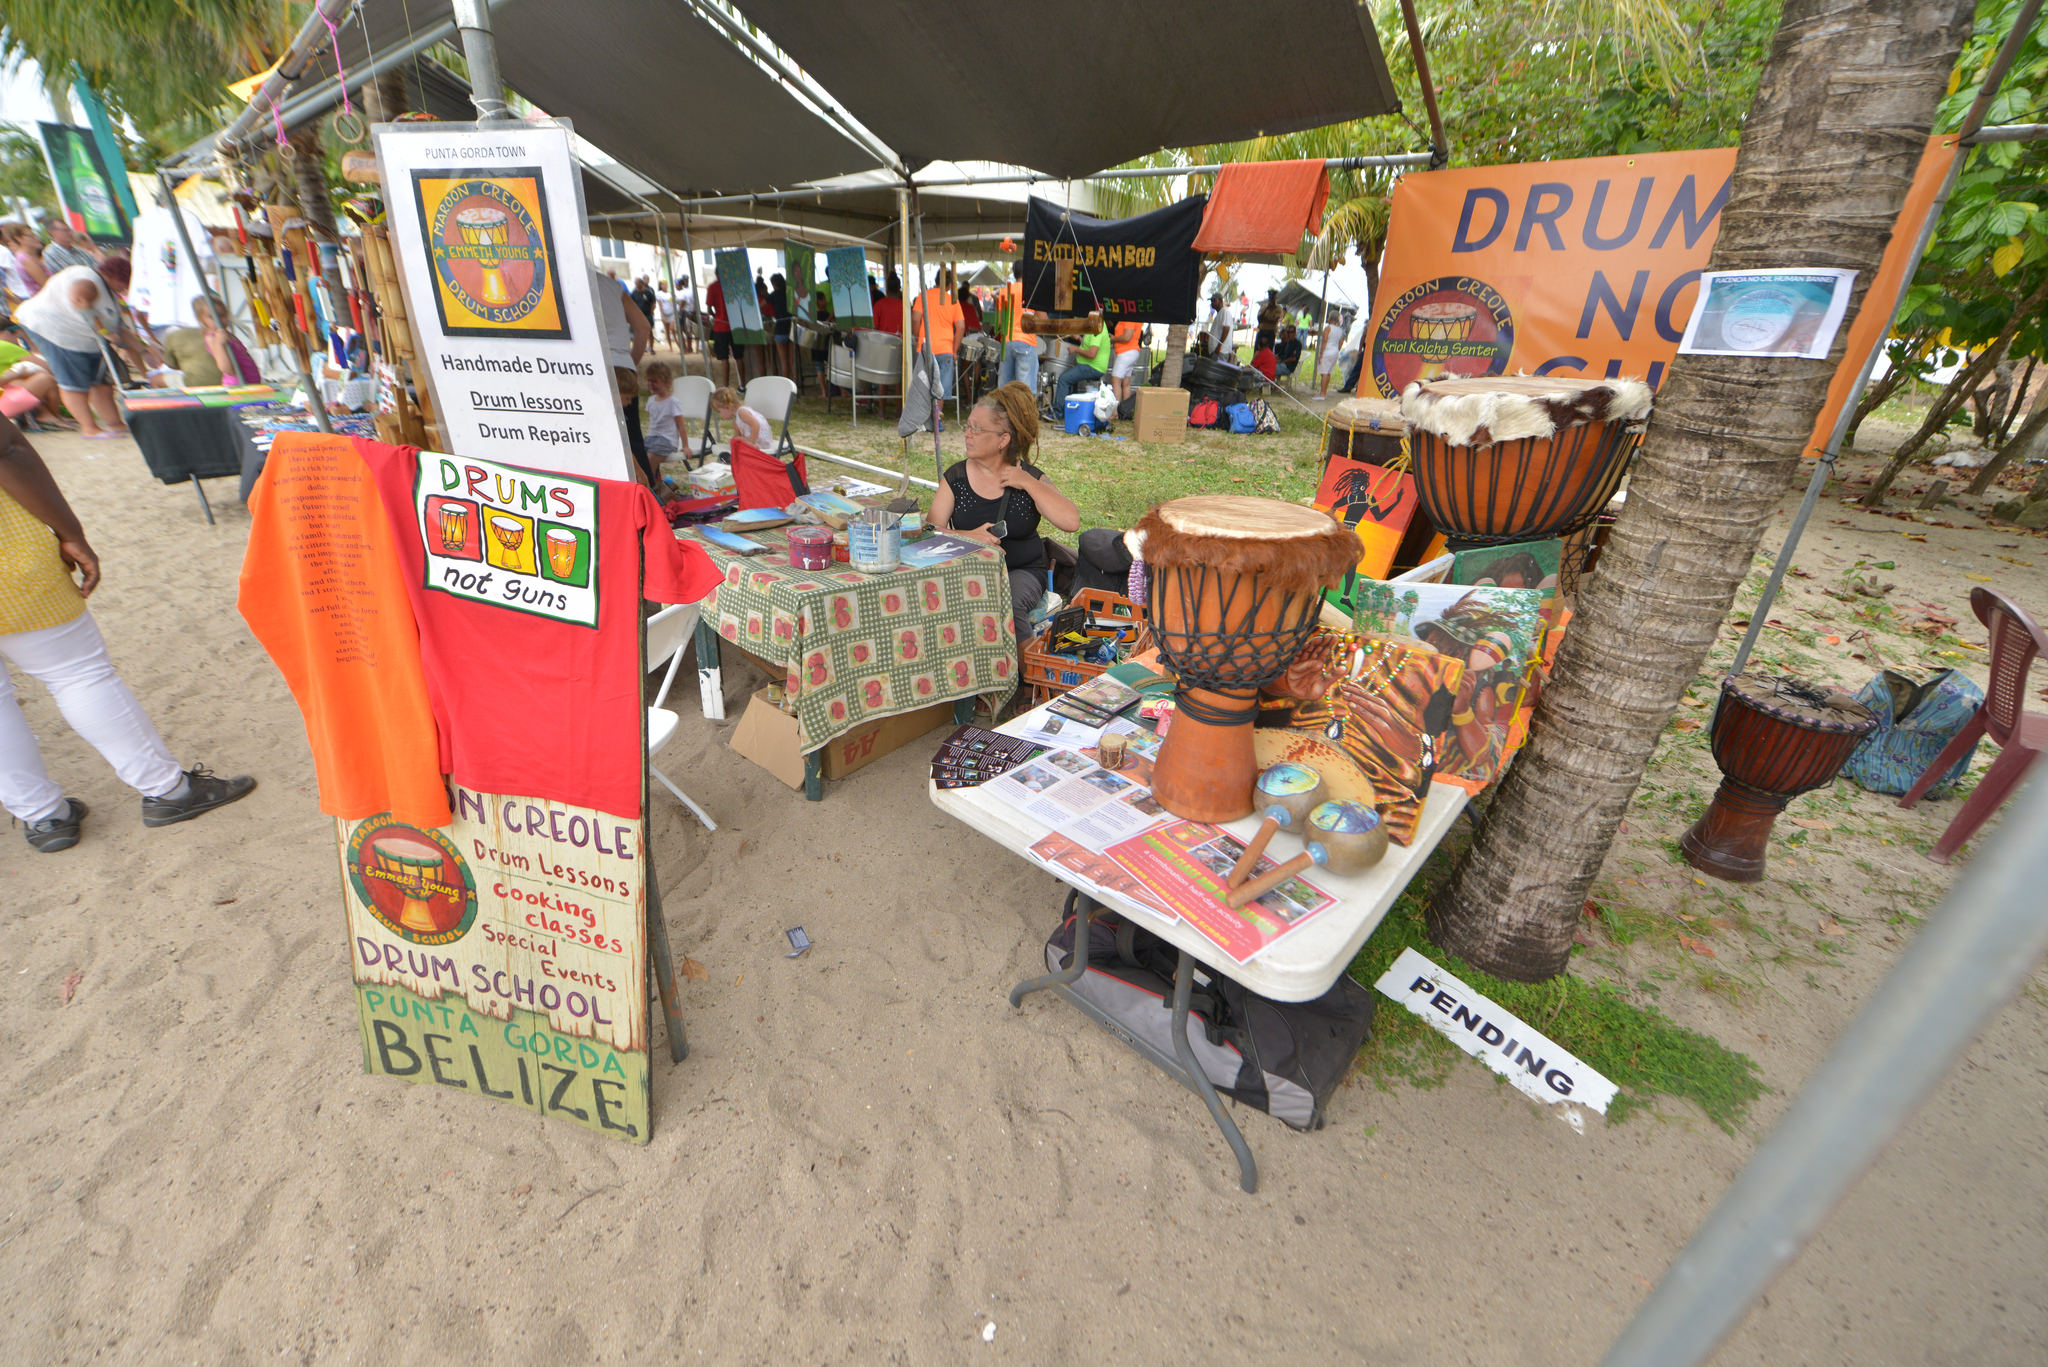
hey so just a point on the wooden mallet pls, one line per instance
(1287, 792)
(1343, 837)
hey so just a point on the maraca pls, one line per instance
(1343, 837)
(1286, 793)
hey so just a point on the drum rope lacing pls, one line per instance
(1233, 660)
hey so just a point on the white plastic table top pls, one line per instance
(1299, 967)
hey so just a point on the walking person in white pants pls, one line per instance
(46, 633)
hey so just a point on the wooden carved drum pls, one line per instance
(1774, 739)
(1235, 588)
(1511, 458)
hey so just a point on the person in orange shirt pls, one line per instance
(1126, 353)
(1020, 348)
(947, 322)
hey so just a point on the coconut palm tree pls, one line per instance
(1828, 150)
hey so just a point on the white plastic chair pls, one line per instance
(668, 636)
(772, 396)
(693, 392)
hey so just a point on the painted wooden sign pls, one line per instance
(505, 956)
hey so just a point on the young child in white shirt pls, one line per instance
(664, 430)
(747, 424)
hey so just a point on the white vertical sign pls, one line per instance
(487, 228)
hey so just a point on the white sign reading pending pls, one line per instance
(1536, 1066)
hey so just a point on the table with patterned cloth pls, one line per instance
(856, 647)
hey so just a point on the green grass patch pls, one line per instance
(1636, 1047)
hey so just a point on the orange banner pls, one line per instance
(1586, 267)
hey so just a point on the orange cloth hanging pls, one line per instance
(1263, 207)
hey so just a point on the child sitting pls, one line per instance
(747, 424)
(666, 434)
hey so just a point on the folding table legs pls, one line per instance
(1182, 1068)
(204, 506)
(710, 671)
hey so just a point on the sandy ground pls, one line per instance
(868, 1156)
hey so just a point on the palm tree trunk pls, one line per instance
(1828, 151)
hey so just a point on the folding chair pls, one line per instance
(693, 392)
(773, 396)
(668, 636)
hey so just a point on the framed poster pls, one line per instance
(487, 229)
(496, 272)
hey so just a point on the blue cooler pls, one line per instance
(1081, 415)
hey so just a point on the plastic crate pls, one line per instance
(1050, 675)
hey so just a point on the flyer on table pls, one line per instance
(487, 228)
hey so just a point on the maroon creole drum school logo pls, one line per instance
(413, 881)
(1452, 327)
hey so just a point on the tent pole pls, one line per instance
(931, 339)
(690, 269)
(480, 51)
(903, 256)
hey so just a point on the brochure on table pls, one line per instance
(487, 227)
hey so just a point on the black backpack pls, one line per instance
(1283, 1058)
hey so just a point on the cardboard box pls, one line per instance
(1161, 414)
(767, 736)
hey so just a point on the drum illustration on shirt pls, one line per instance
(516, 538)
(413, 881)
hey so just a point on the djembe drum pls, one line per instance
(1774, 739)
(1508, 458)
(484, 226)
(1235, 587)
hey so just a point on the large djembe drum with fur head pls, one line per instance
(1235, 589)
(1506, 458)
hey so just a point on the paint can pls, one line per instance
(874, 542)
(810, 548)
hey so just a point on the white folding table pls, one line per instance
(1301, 966)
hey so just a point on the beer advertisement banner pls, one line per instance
(1142, 269)
(487, 229)
(84, 187)
(1587, 267)
(504, 956)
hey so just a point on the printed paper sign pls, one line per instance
(487, 229)
(1768, 313)
(519, 539)
(504, 956)
(1536, 1066)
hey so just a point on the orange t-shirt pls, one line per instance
(323, 592)
(1125, 338)
(946, 317)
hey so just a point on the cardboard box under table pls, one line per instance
(1300, 966)
(1160, 414)
(855, 651)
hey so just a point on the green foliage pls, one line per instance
(1636, 1047)
(1991, 248)
(23, 175)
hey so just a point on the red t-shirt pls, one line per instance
(529, 704)
(714, 299)
(889, 314)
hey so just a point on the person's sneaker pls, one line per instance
(59, 832)
(203, 792)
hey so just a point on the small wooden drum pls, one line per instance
(1367, 429)
(1774, 739)
(1235, 588)
(1520, 457)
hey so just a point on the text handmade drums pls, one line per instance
(1235, 586)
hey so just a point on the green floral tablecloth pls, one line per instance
(857, 647)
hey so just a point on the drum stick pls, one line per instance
(1276, 817)
(1259, 887)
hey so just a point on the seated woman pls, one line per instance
(995, 485)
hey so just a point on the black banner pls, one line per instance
(1136, 270)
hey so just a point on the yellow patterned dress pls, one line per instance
(36, 588)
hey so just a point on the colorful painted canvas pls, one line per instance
(1376, 502)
